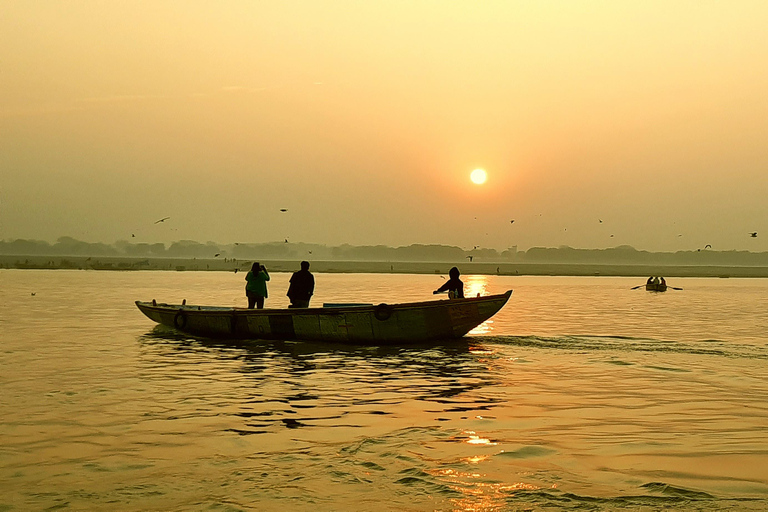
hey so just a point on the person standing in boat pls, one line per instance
(256, 285)
(302, 287)
(454, 286)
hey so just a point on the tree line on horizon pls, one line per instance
(624, 254)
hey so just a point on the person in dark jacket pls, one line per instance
(454, 286)
(302, 287)
(256, 285)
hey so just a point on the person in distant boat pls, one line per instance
(454, 286)
(256, 286)
(663, 282)
(656, 280)
(650, 280)
(302, 287)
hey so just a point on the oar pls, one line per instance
(674, 288)
(636, 287)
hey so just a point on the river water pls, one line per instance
(581, 394)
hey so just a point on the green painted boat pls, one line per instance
(342, 323)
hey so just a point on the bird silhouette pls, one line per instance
(216, 255)
(133, 236)
(600, 220)
(283, 209)
(470, 258)
(33, 293)
(512, 221)
(753, 234)
(162, 220)
(286, 240)
(708, 246)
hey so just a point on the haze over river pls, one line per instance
(580, 394)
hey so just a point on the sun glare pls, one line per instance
(478, 176)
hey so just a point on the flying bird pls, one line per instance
(286, 240)
(162, 220)
(133, 236)
(601, 220)
(216, 255)
(283, 209)
(512, 221)
(470, 258)
(708, 246)
(753, 234)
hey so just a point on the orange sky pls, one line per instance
(364, 120)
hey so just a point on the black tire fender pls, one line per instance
(382, 312)
(180, 320)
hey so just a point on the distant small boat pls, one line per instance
(656, 287)
(341, 323)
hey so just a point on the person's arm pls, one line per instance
(442, 288)
(311, 285)
(290, 288)
(266, 274)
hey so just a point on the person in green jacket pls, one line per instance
(256, 285)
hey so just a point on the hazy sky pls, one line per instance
(364, 119)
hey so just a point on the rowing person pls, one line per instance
(454, 286)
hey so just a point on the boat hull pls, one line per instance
(360, 324)
(656, 287)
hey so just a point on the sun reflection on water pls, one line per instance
(478, 495)
(473, 438)
(475, 286)
(487, 497)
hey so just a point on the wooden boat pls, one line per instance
(656, 287)
(345, 323)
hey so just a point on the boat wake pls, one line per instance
(589, 343)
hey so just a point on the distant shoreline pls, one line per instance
(391, 267)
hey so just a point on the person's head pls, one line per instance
(454, 273)
(256, 266)
(304, 265)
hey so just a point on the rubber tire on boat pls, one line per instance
(180, 320)
(382, 312)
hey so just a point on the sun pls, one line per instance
(478, 176)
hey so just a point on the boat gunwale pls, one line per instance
(209, 310)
